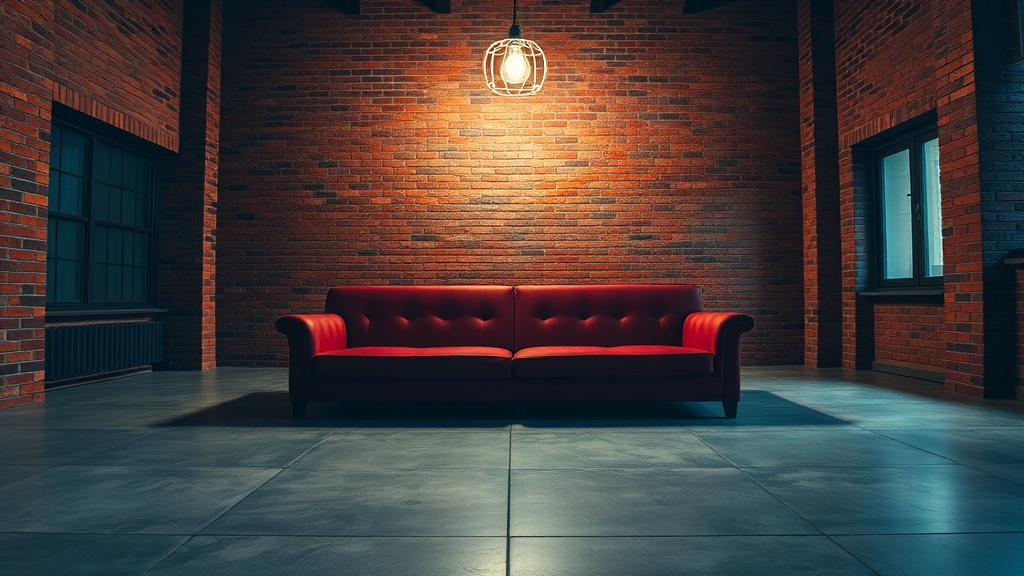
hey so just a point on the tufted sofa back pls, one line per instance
(614, 315)
(422, 316)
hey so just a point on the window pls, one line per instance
(101, 223)
(909, 214)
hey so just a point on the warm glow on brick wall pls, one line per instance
(663, 148)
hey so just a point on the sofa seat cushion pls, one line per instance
(447, 362)
(634, 360)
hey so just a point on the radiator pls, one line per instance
(82, 350)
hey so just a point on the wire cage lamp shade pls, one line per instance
(515, 66)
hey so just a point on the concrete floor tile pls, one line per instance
(698, 556)
(897, 499)
(201, 447)
(83, 554)
(330, 502)
(971, 446)
(410, 450)
(645, 502)
(939, 554)
(846, 446)
(126, 500)
(610, 448)
(321, 556)
(50, 447)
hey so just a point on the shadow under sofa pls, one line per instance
(649, 342)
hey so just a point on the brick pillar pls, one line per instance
(25, 88)
(819, 143)
(189, 199)
(999, 83)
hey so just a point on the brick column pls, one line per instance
(189, 200)
(819, 146)
(24, 184)
(999, 82)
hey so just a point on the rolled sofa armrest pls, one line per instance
(711, 331)
(308, 335)
(719, 333)
(312, 334)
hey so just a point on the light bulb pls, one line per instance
(515, 68)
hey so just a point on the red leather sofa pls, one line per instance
(515, 344)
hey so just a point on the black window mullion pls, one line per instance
(87, 186)
(915, 209)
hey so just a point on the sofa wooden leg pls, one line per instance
(298, 410)
(730, 408)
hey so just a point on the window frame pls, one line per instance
(96, 132)
(913, 141)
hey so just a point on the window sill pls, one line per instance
(918, 294)
(99, 313)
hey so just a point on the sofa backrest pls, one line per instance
(611, 315)
(422, 316)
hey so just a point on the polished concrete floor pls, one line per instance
(823, 472)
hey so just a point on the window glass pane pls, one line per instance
(116, 163)
(72, 153)
(897, 223)
(51, 279)
(68, 286)
(114, 205)
(140, 284)
(126, 282)
(71, 201)
(130, 173)
(113, 281)
(931, 207)
(101, 202)
(114, 243)
(128, 247)
(98, 281)
(144, 171)
(51, 237)
(141, 249)
(55, 148)
(70, 239)
(101, 164)
(55, 194)
(99, 244)
(140, 211)
(128, 209)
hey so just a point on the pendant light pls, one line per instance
(515, 66)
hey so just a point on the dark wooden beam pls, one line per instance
(348, 6)
(698, 6)
(443, 6)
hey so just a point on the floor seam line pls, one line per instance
(508, 509)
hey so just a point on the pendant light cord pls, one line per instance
(514, 31)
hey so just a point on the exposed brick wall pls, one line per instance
(911, 335)
(116, 61)
(663, 148)
(896, 60)
(187, 260)
(24, 176)
(120, 61)
(820, 176)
